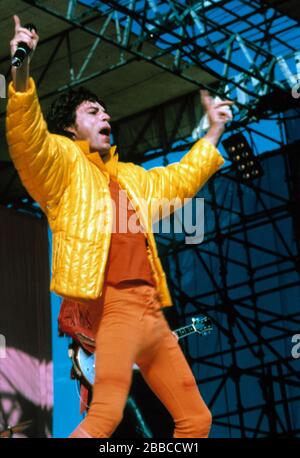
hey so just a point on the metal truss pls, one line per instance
(137, 143)
(245, 45)
(246, 330)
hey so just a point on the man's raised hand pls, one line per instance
(218, 113)
(24, 35)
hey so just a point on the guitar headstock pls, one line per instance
(202, 325)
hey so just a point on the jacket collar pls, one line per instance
(110, 166)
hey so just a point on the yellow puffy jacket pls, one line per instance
(71, 186)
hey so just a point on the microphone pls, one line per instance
(23, 49)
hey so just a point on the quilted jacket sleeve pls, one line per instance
(43, 160)
(181, 180)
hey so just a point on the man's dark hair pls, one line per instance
(62, 112)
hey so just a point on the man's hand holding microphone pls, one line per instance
(22, 47)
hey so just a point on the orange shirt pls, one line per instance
(127, 258)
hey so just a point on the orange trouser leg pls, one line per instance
(133, 329)
(168, 374)
(116, 346)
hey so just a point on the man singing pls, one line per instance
(112, 281)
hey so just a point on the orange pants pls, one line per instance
(132, 329)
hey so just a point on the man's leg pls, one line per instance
(117, 343)
(168, 374)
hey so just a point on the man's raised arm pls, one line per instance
(43, 160)
(183, 179)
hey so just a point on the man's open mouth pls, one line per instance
(105, 131)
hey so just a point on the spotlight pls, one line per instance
(243, 159)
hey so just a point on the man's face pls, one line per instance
(92, 124)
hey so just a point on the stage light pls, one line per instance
(243, 159)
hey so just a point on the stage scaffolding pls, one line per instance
(245, 277)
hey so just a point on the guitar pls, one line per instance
(84, 362)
